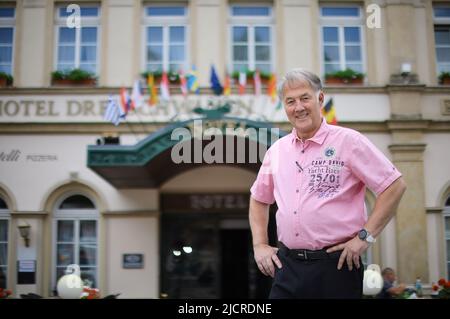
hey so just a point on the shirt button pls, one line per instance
(303, 151)
(296, 190)
(296, 235)
(295, 212)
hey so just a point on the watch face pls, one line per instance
(362, 234)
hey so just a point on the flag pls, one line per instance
(242, 82)
(114, 112)
(215, 83)
(183, 83)
(257, 81)
(192, 81)
(152, 93)
(164, 87)
(227, 85)
(125, 100)
(136, 94)
(329, 112)
(272, 87)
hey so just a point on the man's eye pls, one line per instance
(290, 102)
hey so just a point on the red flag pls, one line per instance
(257, 81)
(242, 82)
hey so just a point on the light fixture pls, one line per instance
(24, 230)
(187, 249)
(406, 68)
(176, 253)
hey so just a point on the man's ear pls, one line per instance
(321, 98)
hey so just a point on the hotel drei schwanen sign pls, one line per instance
(69, 108)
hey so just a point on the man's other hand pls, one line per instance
(266, 257)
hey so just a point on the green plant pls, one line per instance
(250, 73)
(347, 74)
(58, 75)
(8, 77)
(443, 289)
(443, 76)
(173, 76)
(73, 75)
(80, 75)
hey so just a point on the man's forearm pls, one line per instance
(259, 220)
(385, 207)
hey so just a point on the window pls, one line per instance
(447, 233)
(165, 32)
(76, 238)
(251, 38)
(4, 224)
(342, 39)
(7, 21)
(442, 38)
(78, 47)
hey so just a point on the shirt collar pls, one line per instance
(320, 135)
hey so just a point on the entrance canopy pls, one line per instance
(213, 140)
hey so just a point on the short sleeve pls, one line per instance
(262, 189)
(371, 166)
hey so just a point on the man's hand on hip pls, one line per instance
(352, 250)
(266, 257)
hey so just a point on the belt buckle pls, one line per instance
(302, 254)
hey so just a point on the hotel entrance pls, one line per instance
(208, 254)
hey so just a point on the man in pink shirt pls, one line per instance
(318, 175)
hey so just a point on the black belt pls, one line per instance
(305, 254)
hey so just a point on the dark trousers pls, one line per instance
(315, 279)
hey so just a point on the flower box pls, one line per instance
(343, 81)
(75, 77)
(345, 77)
(265, 77)
(5, 80)
(67, 82)
(173, 77)
(444, 78)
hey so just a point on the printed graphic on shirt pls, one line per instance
(324, 174)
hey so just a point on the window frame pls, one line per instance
(165, 22)
(341, 22)
(440, 22)
(75, 215)
(446, 214)
(251, 22)
(86, 22)
(5, 214)
(10, 23)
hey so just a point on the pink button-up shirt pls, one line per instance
(319, 185)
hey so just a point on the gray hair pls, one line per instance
(297, 76)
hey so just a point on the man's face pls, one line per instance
(390, 276)
(303, 108)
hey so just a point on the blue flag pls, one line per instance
(192, 82)
(215, 83)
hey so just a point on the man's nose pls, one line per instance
(299, 105)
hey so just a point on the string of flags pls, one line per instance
(188, 84)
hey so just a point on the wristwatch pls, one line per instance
(363, 234)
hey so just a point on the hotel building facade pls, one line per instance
(110, 198)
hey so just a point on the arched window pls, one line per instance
(447, 233)
(76, 238)
(4, 227)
